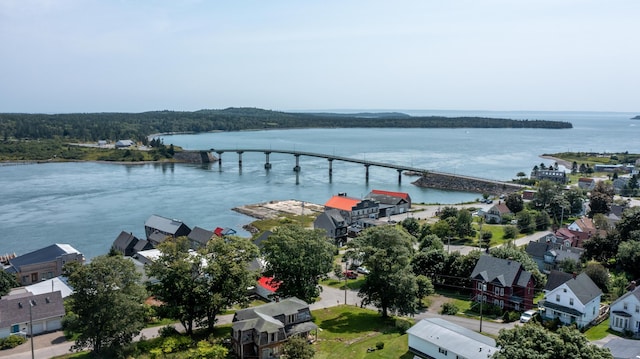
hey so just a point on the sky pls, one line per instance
(61, 56)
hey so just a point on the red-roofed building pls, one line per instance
(353, 210)
(390, 202)
(267, 287)
(576, 238)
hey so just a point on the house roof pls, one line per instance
(583, 287)
(501, 208)
(330, 218)
(536, 249)
(142, 245)
(125, 240)
(585, 224)
(556, 278)
(635, 293)
(342, 202)
(286, 306)
(49, 286)
(200, 235)
(444, 334)
(504, 272)
(402, 195)
(163, 224)
(41, 255)
(14, 309)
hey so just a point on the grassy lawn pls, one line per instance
(599, 331)
(351, 283)
(347, 332)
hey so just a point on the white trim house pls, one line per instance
(576, 301)
(625, 312)
(436, 338)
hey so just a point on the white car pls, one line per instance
(362, 270)
(527, 316)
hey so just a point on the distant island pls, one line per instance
(61, 137)
(636, 118)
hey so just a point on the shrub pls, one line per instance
(403, 324)
(379, 345)
(168, 331)
(510, 316)
(449, 309)
(11, 341)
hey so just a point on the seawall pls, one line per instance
(464, 184)
(194, 157)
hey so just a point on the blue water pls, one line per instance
(88, 204)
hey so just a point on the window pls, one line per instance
(557, 297)
(273, 337)
(292, 318)
(442, 351)
(637, 308)
(34, 278)
(570, 301)
(625, 306)
(502, 292)
(496, 290)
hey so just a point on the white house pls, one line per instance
(437, 338)
(18, 311)
(576, 301)
(625, 312)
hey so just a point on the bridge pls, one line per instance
(366, 163)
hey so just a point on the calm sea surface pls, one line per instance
(88, 204)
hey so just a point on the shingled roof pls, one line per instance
(504, 272)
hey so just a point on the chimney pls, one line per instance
(632, 285)
(574, 275)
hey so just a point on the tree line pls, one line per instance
(99, 126)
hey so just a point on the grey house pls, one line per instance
(47, 311)
(334, 224)
(260, 332)
(549, 256)
(158, 228)
(44, 263)
(199, 237)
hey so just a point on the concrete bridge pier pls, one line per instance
(297, 167)
(240, 158)
(366, 176)
(399, 176)
(267, 165)
(330, 168)
(220, 159)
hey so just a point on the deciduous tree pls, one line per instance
(7, 281)
(390, 285)
(532, 341)
(298, 258)
(107, 304)
(514, 202)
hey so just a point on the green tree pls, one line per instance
(601, 198)
(226, 275)
(598, 274)
(463, 223)
(425, 286)
(390, 285)
(7, 281)
(107, 304)
(510, 232)
(179, 282)
(298, 348)
(546, 191)
(559, 208)
(629, 222)
(526, 222)
(442, 229)
(629, 257)
(542, 221)
(514, 202)
(575, 196)
(448, 212)
(429, 262)
(298, 258)
(532, 341)
(412, 226)
(601, 248)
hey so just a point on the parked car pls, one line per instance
(350, 274)
(362, 270)
(528, 315)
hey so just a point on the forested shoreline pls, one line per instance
(137, 126)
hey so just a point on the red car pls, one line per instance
(350, 274)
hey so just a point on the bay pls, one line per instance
(88, 204)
